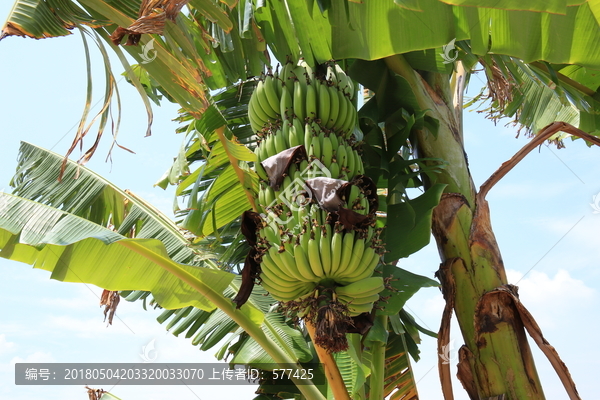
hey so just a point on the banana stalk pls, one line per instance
(462, 229)
(332, 372)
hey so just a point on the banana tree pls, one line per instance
(410, 131)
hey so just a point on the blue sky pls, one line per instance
(541, 214)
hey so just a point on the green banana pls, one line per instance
(286, 74)
(334, 170)
(313, 255)
(327, 150)
(269, 196)
(272, 237)
(343, 111)
(359, 309)
(362, 288)
(305, 265)
(293, 137)
(308, 135)
(359, 166)
(305, 236)
(263, 101)
(287, 295)
(334, 108)
(311, 101)
(351, 162)
(288, 260)
(280, 144)
(347, 246)
(256, 113)
(336, 252)
(354, 195)
(334, 141)
(315, 149)
(255, 124)
(299, 129)
(285, 105)
(289, 270)
(273, 274)
(270, 88)
(325, 250)
(341, 156)
(365, 268)
(260, 171)
(357, 253)
(299, 101)
(344, 81)
(355, 301)
(270, 145)
(350, 121)
(324, 104)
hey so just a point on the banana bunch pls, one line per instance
(302, 250)
(297, 92)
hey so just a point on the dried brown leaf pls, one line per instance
(95, 394)
(110, 301)
(277, 166)
(251, 222)
(326, 191)
(361, 323)
(151, 19)
(250, 272)
(353, 221)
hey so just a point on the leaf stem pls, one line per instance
(376, 381)
(332, 372)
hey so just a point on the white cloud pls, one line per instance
(559, 291)
(37, 357)
(6, 346)
(552, 300)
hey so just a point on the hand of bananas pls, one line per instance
(307, 256)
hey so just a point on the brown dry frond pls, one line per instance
(95, 394)
(151, 19)
(110, 301)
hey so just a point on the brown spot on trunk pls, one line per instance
(483, 242)
(504, 300)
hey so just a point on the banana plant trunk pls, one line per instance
(496, 359)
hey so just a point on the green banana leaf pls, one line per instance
(214, 193)
(86, 194)
(561, 33)
(76, 250)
